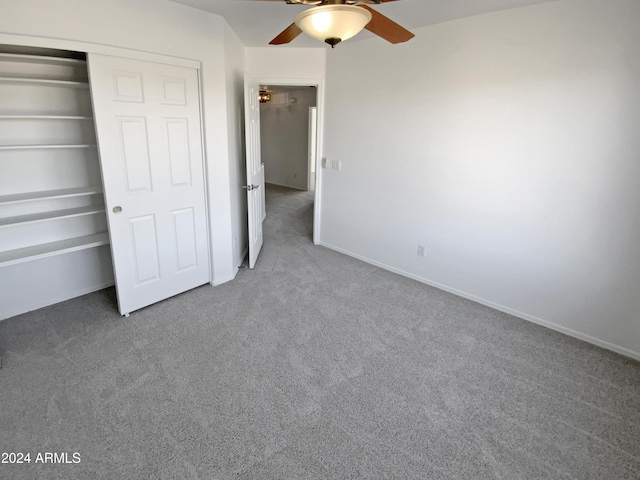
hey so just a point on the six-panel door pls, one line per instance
(148, 126)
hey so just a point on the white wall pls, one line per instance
(284, 130)
(508, 145)
(167, 28)
(278, 62)
(234, 54)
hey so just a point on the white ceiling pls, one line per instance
(257, 22)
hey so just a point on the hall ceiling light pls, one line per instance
(264, 96)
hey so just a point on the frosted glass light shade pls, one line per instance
(333, 21)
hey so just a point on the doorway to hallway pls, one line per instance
(288, 149)
(288, 132)
(285, 97)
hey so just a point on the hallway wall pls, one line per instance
(284, 130)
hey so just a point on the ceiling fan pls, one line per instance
(333, 21)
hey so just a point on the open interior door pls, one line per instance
(255, 168)
(148, 127)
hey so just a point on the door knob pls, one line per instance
(117, 209)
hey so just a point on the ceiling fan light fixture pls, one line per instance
(333, 23)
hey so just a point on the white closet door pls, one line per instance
(148, 125)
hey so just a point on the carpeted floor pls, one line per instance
(312, 366)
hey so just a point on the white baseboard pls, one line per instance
(55, 299)
(233, 274)
(225, 279)
(525, 316)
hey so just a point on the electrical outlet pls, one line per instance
(336, 165)
(421, 250)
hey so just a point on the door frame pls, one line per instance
(319, 83)
(313, 140)
(88, 47)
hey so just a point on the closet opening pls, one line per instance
(54, 243)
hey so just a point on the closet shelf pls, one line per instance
(41, 147)
(55, 214)
(49, 194)
(45, 81)
(41, 60)
(45, 117)
(45, 250)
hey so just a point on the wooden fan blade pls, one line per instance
(288, 34)
(386, 28)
